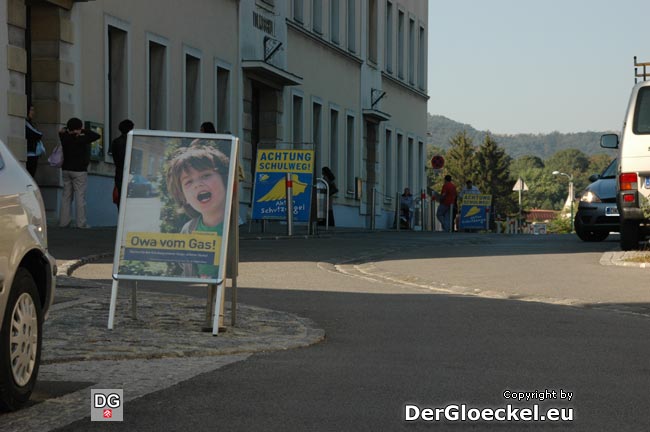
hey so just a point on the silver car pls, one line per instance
(597, 212)
(27, 281)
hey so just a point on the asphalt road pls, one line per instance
(395, 343)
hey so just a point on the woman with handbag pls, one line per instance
(35, 147)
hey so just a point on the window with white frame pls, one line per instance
(388, 163)
(157, 85)
(351, 25)
(335, 16)
(410, 167)
(297, 126)
(388, 44)
(400, 45)
(298, 11)
(422, 59)
(192, 92)
(222, 109)
(400, 162)
(317, 16)
(420, 168)
(117, 80)
(372, 31)
(334, 141)
(349, 153)
(412, 52)
(317, 133)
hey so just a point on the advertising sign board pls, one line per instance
(269, 191)
(474, 211)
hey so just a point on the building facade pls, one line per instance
(346, 78)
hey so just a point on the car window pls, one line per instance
(2, 162)
(610, 171)
(642, 112)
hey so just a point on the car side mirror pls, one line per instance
(594, 177)
(609, 141)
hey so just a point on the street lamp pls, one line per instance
(571, 194)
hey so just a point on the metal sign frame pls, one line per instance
(228, 145)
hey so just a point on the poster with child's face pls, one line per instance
(175, 206)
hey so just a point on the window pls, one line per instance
(400, 45)
(410, 168)
(223, 100)
(349, 145)
(351, 21)
(642, 112)
(400, 159)
(334, 141)
(388, 164)
(297, 11)
(297, 120)
(388, 44)
(372, 31)
(192, 93)
(157, 87)
(117, 80)
(334, 21)
(317, 16)
(420, 168)
(422, 60)
(316, 133)
(412, 52)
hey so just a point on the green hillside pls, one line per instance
(441, 129)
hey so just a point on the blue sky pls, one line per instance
(522, 66)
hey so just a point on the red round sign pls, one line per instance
(437, 162)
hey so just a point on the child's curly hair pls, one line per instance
(200, 157)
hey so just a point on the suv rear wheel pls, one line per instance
(20, 342)
(630, 235)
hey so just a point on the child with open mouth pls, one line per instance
(196, 178)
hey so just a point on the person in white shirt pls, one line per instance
(469, 188)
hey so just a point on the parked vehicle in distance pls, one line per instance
(597, 214)
(633, 185)
(140, 187)
(27, 281)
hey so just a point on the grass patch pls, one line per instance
(639, 259)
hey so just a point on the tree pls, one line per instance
(493, 167)
(461, 163)
(522, 163)
(598, 163)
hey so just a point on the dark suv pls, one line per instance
(597, 212)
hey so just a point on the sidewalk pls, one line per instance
(166, 325)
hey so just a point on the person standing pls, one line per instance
(118, 147)
(207, 127)
(75, 142)
(329, 177)
(35, 146)
(469, 188)
(406, 207)
(447, 200)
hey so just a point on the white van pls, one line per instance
(633, 179)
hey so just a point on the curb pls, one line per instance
(617, 258)
(66, 268)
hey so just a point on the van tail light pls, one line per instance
(627, 181)
(628, 198)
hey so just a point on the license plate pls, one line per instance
(611, 211)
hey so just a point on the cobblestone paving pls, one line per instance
(166, 326)
(162, 347)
